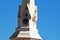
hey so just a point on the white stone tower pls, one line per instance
(27, 18)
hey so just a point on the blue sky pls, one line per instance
(48, 23)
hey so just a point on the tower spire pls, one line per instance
(27, 18)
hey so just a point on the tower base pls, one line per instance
(24, 39)
(14, 37)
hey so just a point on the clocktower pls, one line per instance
(27, 18)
